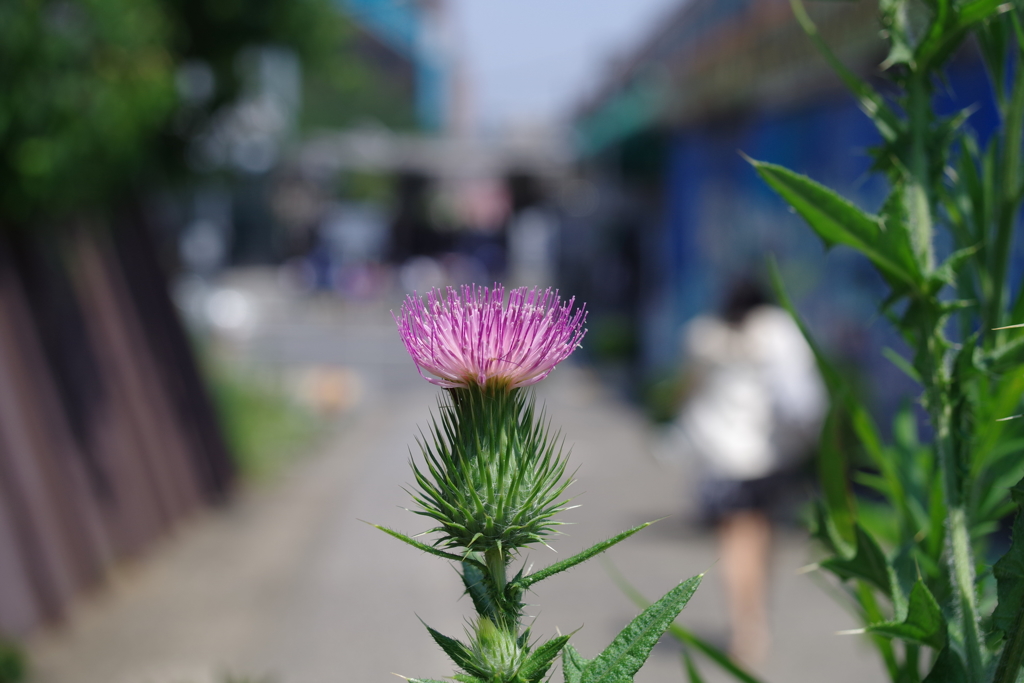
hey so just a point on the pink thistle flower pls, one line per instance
(470, 338)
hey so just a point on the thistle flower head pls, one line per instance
(470, 338)
(492, 477)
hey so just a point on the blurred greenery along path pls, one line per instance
(264, 426)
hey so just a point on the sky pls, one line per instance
(532, 61)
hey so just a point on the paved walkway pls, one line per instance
(287, 583)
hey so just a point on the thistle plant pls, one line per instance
(915, 559)
(493, 478)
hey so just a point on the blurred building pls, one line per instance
(666, 211)
(410, 41)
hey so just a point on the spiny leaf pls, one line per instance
(837, 221)
(833, 473)
(474, 578)
(630, 649)
(888, 124)
(843, 399)
(1009, 613)
(573, 664)
(421, 546)
(924, 623)
(977, 10)
(833, 379)
(459, 653)
(868, 563)
(576, 559)
(948, 668)
(1007, 356)
(539, 661)
(681, 634)
(946, 273)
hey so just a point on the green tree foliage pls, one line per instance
(86, 86)
(89, 106)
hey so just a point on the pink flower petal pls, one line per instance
(469, 337)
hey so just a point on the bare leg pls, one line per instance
(745, 541)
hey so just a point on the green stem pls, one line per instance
(961, 558)
(911, 663)
(962, 564)
(873, 615)
(496, 560)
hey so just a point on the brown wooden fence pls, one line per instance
(107, 434)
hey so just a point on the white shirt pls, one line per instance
(759, 400)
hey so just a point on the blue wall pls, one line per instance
(721, 219)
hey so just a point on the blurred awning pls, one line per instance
(717, 57)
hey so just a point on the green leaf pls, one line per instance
(679, 633)
(539, 661)
(924, 623)
(833, 379)
(977, 10)
(873, 104)
(868, 563)
(1008, 616)
(946, 273)
(894, 21)
(630, 649)
(475, 580)
(867, 432)
(900, 51)
(867, 597)
(421, 546)
(1009, 571)
(459, 653)
(691, 669)
(837, 221)
(1007, 356)
(570, 562)
(837, 526)
(433, 680)
(573, 664)
(466, 678)
(833, 475)
(687, 637)
(902, 363)
(948, 668)
(898, 221)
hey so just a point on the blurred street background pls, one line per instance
(208, 209)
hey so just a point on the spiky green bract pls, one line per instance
(492, 477)
(497, 655)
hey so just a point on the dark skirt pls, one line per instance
(776, 495)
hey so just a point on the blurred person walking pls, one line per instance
(753, 407)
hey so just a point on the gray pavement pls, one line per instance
(288, 583)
